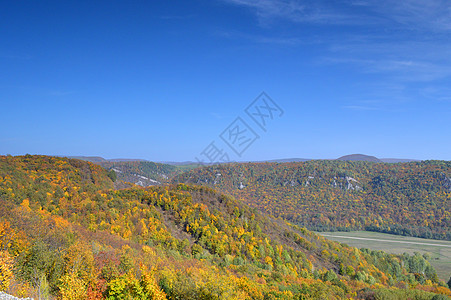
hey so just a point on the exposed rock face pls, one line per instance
(446, 182)
(5, 296)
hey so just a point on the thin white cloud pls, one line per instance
(360, 107)
(403, 70)
(296, 11)
(414, 14)
(16, 56)
(410, 14)
(276, 40)
(407, 43)
(57, 93)
(402, 60)
(261, 39)
(438, 93)
(177, 17)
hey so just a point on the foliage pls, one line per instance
(6, 272)
(410, 199)
(143, 173)
(67, 234)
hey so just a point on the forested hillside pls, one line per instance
(136, 171)
(143, 173)
(406, 198)
(66, 234)
(139, 172)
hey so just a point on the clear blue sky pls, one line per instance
(160, 80)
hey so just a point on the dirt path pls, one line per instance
(388, 241)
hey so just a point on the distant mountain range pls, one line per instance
(146, 173)
(350, 157)
(341, 194)
(363, 157)
(194, 242)
(397, 160)
(98, 159)
(284, 160)
(359, 157)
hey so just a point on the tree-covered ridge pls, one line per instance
(173, 242)
(45, 180)
(406, 198)
(144, 173)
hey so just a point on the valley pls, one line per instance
(439, 251)
(66, 232)
(408, 199)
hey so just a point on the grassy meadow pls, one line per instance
(440, 251)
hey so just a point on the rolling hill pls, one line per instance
(143, 173)
(138, 171)
(411, 199)
(363, 157)
(359, 157)
(147, 173)
(66, 233)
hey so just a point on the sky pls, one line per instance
(173, 80)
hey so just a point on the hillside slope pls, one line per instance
(143, 173)
(76, 204)
(409, 198)
(65, 232)
(359, 157)
(137, 171)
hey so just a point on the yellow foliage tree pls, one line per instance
(150, 285)
(6, 272)
(72, 287)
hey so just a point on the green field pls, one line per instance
(440, 251)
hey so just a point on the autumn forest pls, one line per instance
(67, 231)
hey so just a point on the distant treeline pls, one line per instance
(412, 199)
(66, 233)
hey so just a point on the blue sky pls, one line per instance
(161, 80)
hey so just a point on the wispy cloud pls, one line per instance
(57, 93)
(296, 11)
(28, 90)
(16, 56)
(177, 17)
(405, 43)
(372, 100)
(400, 59)
(262, 39)
(360, 107)
(402, 70)
(413, 14)
(380, 96)
(438, 93)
